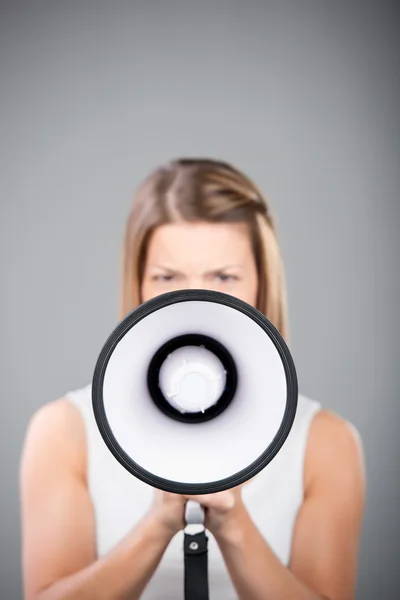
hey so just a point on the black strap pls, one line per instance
(196, 566)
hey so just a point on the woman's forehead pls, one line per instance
(199, 243)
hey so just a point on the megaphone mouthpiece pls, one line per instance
(192, 378)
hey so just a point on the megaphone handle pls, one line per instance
(195, 553)
(194, 513)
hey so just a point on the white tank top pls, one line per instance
(120, 500)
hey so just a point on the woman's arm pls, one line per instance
(325, 545)
(59, 558)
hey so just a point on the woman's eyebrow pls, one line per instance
(214, 270)
(163, 268)
(226, 268)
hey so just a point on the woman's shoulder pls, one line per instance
(56, 416)
(326, 425)
(331, 431)
(57, 428)
(334, 444)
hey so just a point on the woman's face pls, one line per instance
(211, 256)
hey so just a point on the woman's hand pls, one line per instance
(222, 509)
(168, 510)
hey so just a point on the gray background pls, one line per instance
(304, 96)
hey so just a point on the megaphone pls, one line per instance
(194, 392)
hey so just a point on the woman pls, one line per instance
(92, 530)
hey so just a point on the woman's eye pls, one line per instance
(163, 277)
(223, 277)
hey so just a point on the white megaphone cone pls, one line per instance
(194, 392)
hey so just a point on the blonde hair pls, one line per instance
(190, 189)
